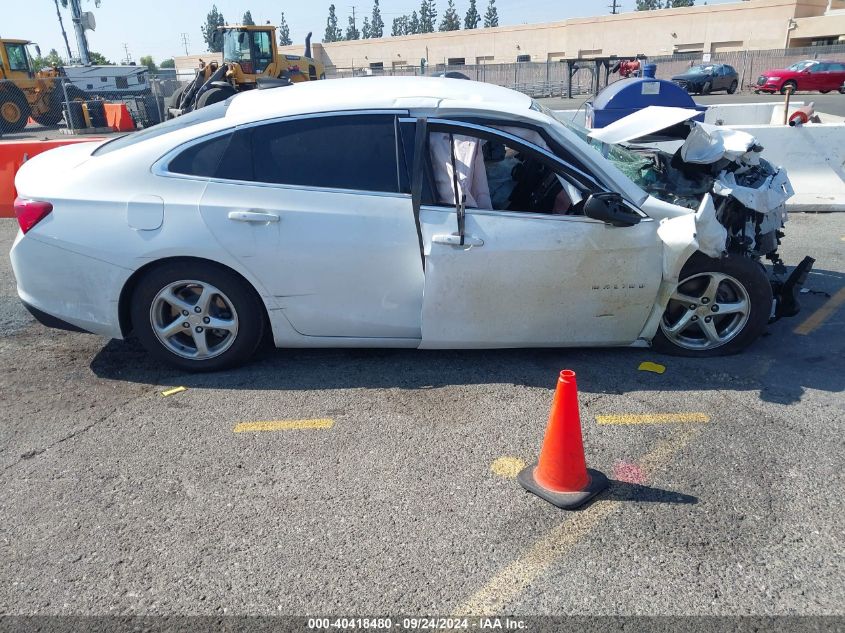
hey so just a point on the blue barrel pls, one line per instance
(650, 71)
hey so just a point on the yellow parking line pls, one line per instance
(652, 418)
(821, 315)
(283, 425)
(516, 577)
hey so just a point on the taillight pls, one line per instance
(31, 212)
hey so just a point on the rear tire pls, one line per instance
(202, 295)
(14, 108)
(734, 86)
(789, 85)
(719, 308)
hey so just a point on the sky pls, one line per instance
(155, 27)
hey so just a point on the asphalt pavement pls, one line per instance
(119, 500)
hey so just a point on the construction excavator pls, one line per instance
(251, 59)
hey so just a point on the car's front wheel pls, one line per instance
(197, 316)
(790, 86)
(719, 307)
(733, 87)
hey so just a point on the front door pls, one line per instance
(533, 271)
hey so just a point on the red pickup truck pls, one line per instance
(808, 75)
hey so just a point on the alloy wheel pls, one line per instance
(707, 310)
(193, 319)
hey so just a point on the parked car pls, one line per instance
(808, 76)
(706, 78)
(396, 212)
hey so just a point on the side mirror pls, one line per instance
(611, 209)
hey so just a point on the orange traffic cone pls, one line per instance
(561, 476)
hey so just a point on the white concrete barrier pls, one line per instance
(813, 156)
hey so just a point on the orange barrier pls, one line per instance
(561, 476)
(118, 117)
(13, 154)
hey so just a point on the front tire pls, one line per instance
(789, 85)
(14, 108)
(719, 307)
(214, 95)
(734, 86)
(197, 316)
(705, 89)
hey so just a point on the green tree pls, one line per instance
(284, 32)
(428, 16)
(247, 19)
(333, 32)
(52, 59)
(167, 63)
(98, 59)
(648, 5)
(209, 30)
(674, 4)
(400, 26)
(149, 62)
(365, 29)
(376, 23)
(450, 21)
(491, 16)
(472, 18)
(413, 24)
(352, 32)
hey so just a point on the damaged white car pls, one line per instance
(389, 212)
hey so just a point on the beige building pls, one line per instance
(748, 25)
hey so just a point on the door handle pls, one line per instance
(455, 240)
(253, 216)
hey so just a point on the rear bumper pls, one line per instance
(68, 290)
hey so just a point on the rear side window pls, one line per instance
(201, 159)
(356, 152)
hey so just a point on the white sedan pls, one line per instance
(377, 212)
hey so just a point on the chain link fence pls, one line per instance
(91, 104)
(549, 79)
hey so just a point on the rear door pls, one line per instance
(836, 76)
(533, 271)
(815, 77)
(318, 209)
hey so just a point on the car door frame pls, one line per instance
(586, 181)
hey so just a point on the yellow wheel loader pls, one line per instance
(251, 59)
(26, 93)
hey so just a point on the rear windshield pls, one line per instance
(208, 113)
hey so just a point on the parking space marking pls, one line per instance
(283, 425)
(507, 467)
(652, 418)
(817, 318)
(517, 576)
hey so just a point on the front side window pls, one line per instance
(17, 57)
(355, 152)
(497, 174)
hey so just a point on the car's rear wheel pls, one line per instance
(196, 316)
(788, 85)
(719, 307)
(734, 86)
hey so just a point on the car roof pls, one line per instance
(375, 93)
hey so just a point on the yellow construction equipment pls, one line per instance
(251, 59)
(26, 93)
